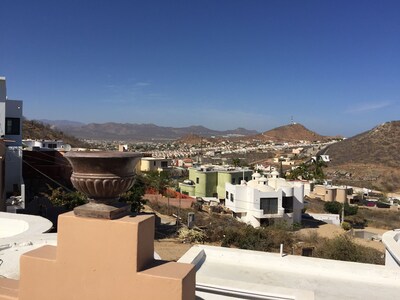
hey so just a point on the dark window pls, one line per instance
(233, 180)
(269, 205)
(232, 197)
(13, 126)
(154, 163)
(246, 178)
(227, 195)
(307, 251)
(287, 203)
(197, 180)
(164, 164)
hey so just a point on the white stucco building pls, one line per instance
(57, 145)
(153, 164)
(264, 199)
(11, 135)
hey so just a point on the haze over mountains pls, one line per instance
(139, 132)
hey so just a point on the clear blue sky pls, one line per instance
(333, 65)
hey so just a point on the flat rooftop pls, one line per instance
(262, 275)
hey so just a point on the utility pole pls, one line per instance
(345, 200)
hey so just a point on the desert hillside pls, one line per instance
(291, 132)
(371, 158)
(36, 130)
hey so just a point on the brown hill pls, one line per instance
(290, 133)
(194, 139)
(191, 139)
(371, 158)
(379, 145)
(35, 130)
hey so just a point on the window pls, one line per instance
(232, 197)
(13, 126)
(240, 179)
(269, 205)
(226, 195)
(154, 163)
(233, 180)
(246, 178)
(164, 164)
(197, 180)
(287, 203)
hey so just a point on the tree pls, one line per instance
(311, 170)
(135, 195)
(236, 162)
(157, 180)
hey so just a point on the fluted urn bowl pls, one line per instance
(103, 177)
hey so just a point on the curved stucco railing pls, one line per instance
(391, 239)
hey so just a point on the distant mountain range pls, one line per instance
(139, 132)
(61, 123)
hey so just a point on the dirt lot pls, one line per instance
(330, 231)
(170, 249)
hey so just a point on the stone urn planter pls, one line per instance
(103, 177)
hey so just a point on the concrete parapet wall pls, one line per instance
(100, 259)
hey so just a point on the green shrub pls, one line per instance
(66, 199)
(356, 221)
(333, 207)
(135, 195)
(350, 210)
(346, 226)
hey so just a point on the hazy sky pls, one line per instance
(332, 65)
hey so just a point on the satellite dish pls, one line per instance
(67, 147)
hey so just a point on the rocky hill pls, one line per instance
(290, 133)
(371, 158)
(194, 139)
(36, 130)
(144, 132)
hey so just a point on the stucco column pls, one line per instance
(101, 259)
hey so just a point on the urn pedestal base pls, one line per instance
(103, 211)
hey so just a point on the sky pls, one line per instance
(334, 66)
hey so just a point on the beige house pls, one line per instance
(153, 164)
(332, 193)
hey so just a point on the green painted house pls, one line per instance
(209, 181)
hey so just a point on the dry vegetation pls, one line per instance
(380, 217)
(373, 217)
(372, 176)
(223, 230)
(370, 159)
(36, 130)
(342, 247)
